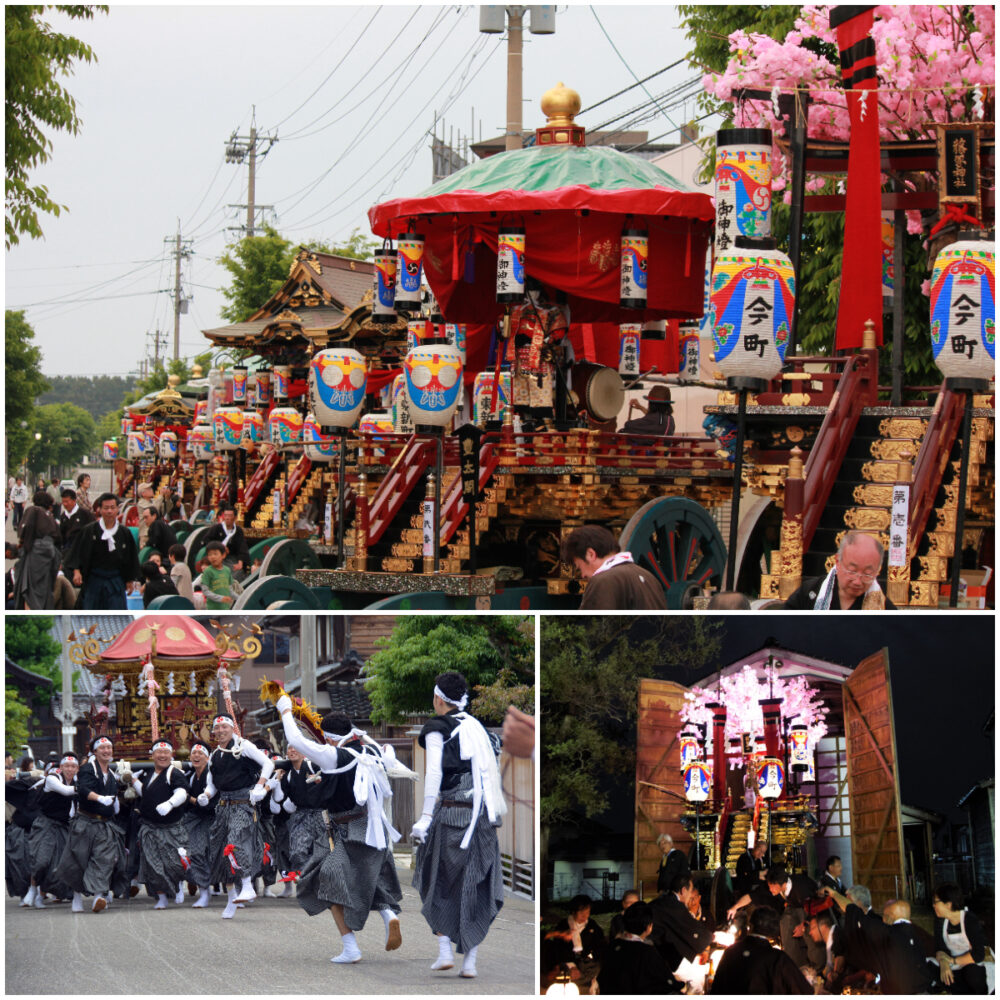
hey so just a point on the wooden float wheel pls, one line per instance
(679, 543)
(269, 591)
(170, 602)
(287, 556)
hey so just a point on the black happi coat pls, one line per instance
(90, 779)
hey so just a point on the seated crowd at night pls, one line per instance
(767, 932)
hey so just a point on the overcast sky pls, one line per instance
(351, 93)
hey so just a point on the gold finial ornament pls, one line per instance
(173, 381)
(560, 105)
(196, 371)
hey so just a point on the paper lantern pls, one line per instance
(770, 778)
(742, 185)
(149, 445)
(482, 393)
(402, 419)
(168, 445)
(888, 241)
(128, 425)
(239, 384)
(629, 336)
(110, 451)
(689, 748)
(384, 286)
(411, 257)
(317, 447)
(753, 300)
(200, 412)
(284, 428)
(135, 445)
(264, 387)
(227, 428)
(455, 335)
(689, 349)
(282, 381)
(377, 424)
(963, 309)
(337, 380)
(417, 331)
(433, 379)
(510, 264)
(634, 268)
(798, 750)
(201, 442)
(697, 781)
(252, 433)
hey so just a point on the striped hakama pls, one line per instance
(306, 833)
(353, 875)
(267, 869)
(160, 865)
(461, 890)
(235, 822)
(198, 830)
(46, 844)
(17, 860)
(94, 859)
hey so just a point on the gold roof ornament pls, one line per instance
(196, 371)
(560, 105)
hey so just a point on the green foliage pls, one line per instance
(590, 670)
(28, 642)
(94, 393)
(67, 434)
(17, 717)
(23, 384)
(260, 266)
(495, 653)
(35, 56)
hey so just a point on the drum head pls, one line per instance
(603, 393)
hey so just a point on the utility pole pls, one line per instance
(182, 248)
(243, 147)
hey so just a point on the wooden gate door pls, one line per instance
(873, 780)
(659, 788)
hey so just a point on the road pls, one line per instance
(270, 947)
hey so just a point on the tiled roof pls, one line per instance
(350, 698)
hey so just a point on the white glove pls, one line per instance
(118, 806)
(283, 704)
(257, 794)
(164, 807)
(105, 800)
(203, 800)
(419, 832)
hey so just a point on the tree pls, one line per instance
(24, 382)
(17, 717)
(67, 434)
(35, 56)
(95, 393)
(495, 653)
(28, 642)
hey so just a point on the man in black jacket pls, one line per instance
(227, 531)
(749, 868)
(673, 862)
(71, 518)
(159, 534)
(753, 966)
(104, 560)
(796, 890)
(632, 966)
(677, 932)
(577, 943)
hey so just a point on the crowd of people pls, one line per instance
(767, 931)
(241, 821)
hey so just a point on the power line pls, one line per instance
(632, 86)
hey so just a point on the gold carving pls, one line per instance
(933, 567)
(795, 399)
(867, 518)
(899, 427)
(923, 595)
(893, 448)
(879, 472)
(873, 496)
(942, 543)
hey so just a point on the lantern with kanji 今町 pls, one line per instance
(697, 781)
(282, 377)
(200, 442)
(135, 445)
(770, 778)
(150, 443)
(227, 428)
(963, 309)
(753, 300)
(337, 381)
(689, 748)
(284, 428)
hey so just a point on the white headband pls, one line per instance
(460, 704)
(161, 745)
(101, 741)
(69, 760)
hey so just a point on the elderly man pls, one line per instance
(749, 868)
(851, 585)
(672, 863)
(104, 560)
(145, 491)
(616, 582)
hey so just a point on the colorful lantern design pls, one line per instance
(200, 412)
(264, 388)
(150, 443)
(753, 300)
(455, 335)
(110, 451)
(252, 433)
(799, 755)
(689, 748)
(135, 445)
(227, 428)
(510, 264)
(337, 380)
(770, 778)
(742, 185)
(759, 750)
(888, 259)
(377, 424)
(282, 381)
(629, 336)
(411, 259)
(697, 781)
(168, 445)
(634, 268)
(251, 391)
(384, 286)
(417, 331)
(482, 393)
(318, 448)
(963, 309)
(201, 442)
(128, 425)
(689, 345)
(284, 428)
(239, 385)
(433, 379)
(402, 419)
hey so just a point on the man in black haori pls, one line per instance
(163, 837)
(238, 772)
(50, 830)
(458, 873)
(357, 874)
(198, 820)
(755, 966)
(17, 861)
(103, 560)
(93, 863)
(302, 793)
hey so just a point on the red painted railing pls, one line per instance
(297, 477)
(262, 477)
(416, 457)
(453, 506)
(935, 449)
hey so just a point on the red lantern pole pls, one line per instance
(718, 752)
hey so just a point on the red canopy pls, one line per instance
(178, 638)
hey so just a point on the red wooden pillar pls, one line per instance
(718, 752)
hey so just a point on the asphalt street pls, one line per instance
(270, 947)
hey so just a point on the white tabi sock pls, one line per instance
(179, 898)
(393, 934)
(230, 911)
(351, 952)
(29, 897)
(446, 958)
(39, 900)
(469, 963)
(161, 901)
(203, 897)
(246, 893)
(77, 906)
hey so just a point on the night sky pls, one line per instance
(942, 671)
